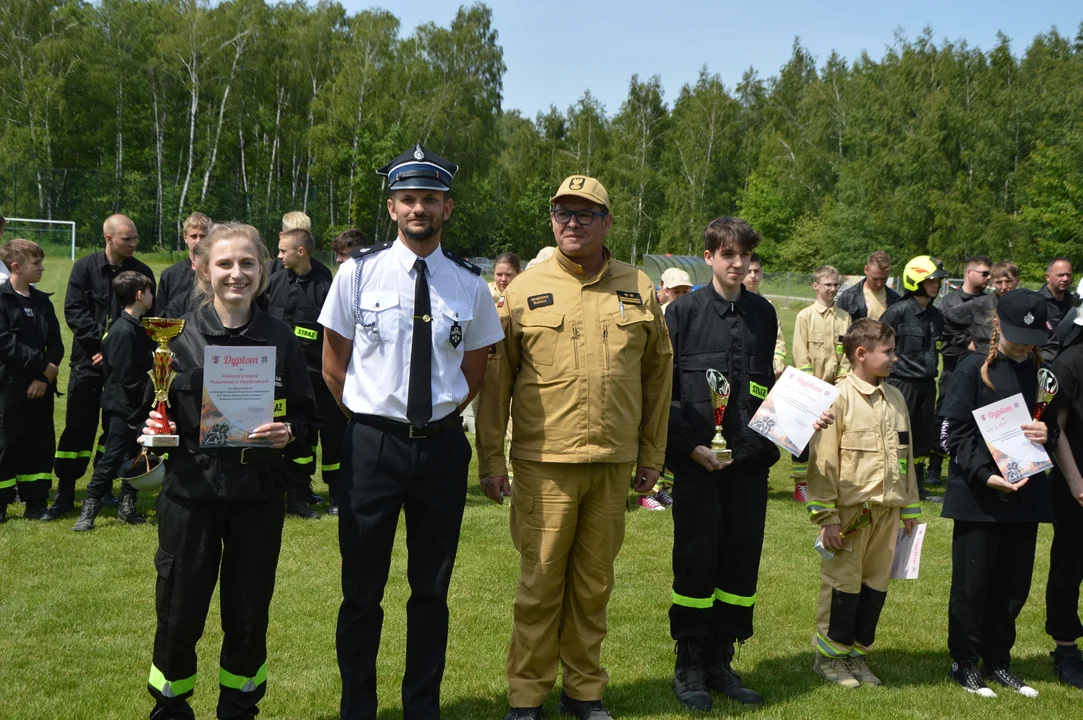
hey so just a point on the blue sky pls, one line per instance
(555, 50)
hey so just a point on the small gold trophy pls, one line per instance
(1048, 387)
(162, 330)
(720, 397)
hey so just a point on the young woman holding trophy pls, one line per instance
(220, 510)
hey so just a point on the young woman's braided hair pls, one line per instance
(994, 355)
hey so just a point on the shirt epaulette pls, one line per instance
(359, 253)
(462, 263)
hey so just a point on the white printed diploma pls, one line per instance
(787, 414)
(1000, 425)
(238, 395)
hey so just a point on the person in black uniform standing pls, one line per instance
(179, 279)
(954, 342)
(128, 352)
(30, 353)
(296, 296)
(90, 308)
(871, 296)
(719, 509)
(408, 327)
(918, 326)
(996, 521)
(220, 511)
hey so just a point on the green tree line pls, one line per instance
(244, 110)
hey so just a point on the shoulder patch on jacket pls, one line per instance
(536, 301)
(359, 253)
(462, 263)
(631, 298)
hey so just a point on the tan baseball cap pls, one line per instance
(584, 187)
(675, 277)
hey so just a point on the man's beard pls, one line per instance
(425, 233)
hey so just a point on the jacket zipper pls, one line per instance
(575, 344)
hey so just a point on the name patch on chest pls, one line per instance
(757, 390)
(536, 301)
(305, 333)
(280, 407)
(629, 298)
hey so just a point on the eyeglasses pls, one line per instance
(983, 273)
(582, 217)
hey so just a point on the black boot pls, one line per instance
(721, 677)
(936, 467)
(91, 508)
(36, 510)
(1068, 664)
(690, 675)
(297, 506)
(64, 502)
(126, 511)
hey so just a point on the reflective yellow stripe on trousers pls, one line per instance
(170, 688)
(244, 684)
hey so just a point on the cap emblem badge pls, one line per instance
(1028, 318)
(576, 183)
(419, 154)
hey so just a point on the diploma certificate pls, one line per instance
(238, 395)
(1016, 456)
(787, 414)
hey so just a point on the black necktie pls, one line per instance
(419, 402)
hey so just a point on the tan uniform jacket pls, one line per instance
(590, 364)
(817, 342)
(864, 456)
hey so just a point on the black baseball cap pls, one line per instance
(1023, 317)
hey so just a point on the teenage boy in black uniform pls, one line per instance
(918, 326)
(90, 308)
(296, 296)
(128, 352)
(179, 279)
(30, 355)
(719, 509)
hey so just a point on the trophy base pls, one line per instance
(161, 440)
(722, 454)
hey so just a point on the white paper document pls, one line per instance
(795, 402)
(238, 394)
(1000, 425)
(907, 559)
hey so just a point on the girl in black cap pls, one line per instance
(996, 521)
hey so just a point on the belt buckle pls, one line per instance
(415, 432)
(244, 452)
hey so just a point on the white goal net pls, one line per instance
(46, 233)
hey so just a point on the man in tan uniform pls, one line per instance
(817, 349)
(752, 284)
(589, 361)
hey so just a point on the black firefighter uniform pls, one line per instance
(589, 361)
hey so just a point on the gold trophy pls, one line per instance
(1048, 387)
(162, 330)
(720, 398)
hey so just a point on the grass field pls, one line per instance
(77, 622)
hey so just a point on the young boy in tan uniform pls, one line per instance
(817, 348)
(864, 457)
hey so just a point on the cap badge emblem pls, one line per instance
(419, 154)
(1028, 318)
(576, 183)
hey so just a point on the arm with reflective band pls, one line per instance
(170, 688)
(239, 682)
(911, 512)
(823, 469)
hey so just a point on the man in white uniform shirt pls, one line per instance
(409, 327)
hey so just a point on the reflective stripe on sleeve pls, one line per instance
(910, 512)
(815, 507)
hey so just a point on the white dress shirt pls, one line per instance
(371, 302)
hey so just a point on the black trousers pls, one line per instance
(197, 542)
(991, 568)
(383, 473)
(120, 445)
(26, 446)
(81, 419)
(1065, 565)
(718, 520)
(332, 432)
(920, 397)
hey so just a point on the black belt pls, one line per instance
(242, 455)
(405, 429)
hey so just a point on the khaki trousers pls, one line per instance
(567, 522)
(854, 584)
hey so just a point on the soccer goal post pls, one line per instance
(13, 223)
